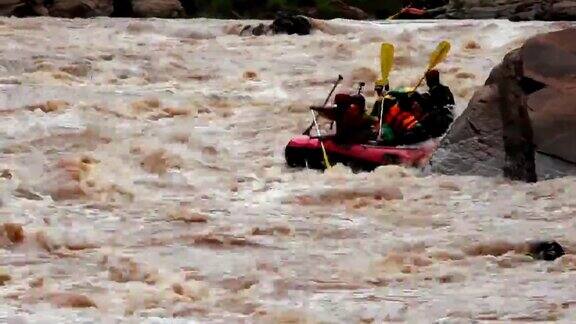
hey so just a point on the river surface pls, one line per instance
(144, 161)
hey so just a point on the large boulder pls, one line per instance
(22, 8)
(158, 8)
(81, 8)
(283, 24)
(523, 121)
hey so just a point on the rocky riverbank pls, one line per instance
(320, 9)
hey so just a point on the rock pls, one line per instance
(22, 8)
(539, 250)
(545, 250)
(518, 136)
(283, 24)
(257, 30)
(158, 8)
(474, 143)
(80, 8)
(290, 24)
(513, 9)
(523, 120)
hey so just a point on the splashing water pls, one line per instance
(143, 177)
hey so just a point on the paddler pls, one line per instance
(353, 125)
(438, 104)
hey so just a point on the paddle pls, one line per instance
(340, 78)
(396, 14)
(386, 62)
(360, 86)
(326, 162)
(314, 122)
(435, 58)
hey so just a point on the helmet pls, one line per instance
(342, 98)
(359, 100)
(433, 76)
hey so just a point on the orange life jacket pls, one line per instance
(400, 121)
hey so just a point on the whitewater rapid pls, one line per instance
(144, 161)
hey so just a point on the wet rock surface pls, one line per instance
(523, 120)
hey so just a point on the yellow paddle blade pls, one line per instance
(436, 57)
(439, 54)
(386, 62)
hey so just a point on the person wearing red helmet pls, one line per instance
(353, 125)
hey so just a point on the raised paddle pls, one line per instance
(386, 62)
(314, 122)
(340, 78)
(436, 57)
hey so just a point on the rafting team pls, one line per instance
(398, 117)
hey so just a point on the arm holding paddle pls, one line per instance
(340, 78)
(325, 112)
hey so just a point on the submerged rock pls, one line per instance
(546, 250)
(283, 24)
(523, 121)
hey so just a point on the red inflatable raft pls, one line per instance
(305, 151)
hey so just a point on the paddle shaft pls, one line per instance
(340, 78)
(381, 118)
(325, 156)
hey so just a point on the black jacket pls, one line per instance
(441, 96)
(439, 115)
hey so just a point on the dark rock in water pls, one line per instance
(288, 24)
(523, 121)
(546, 250)
(257, 30)
(517, 131)
(283, 24)
(80, 8)
(474, 143)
